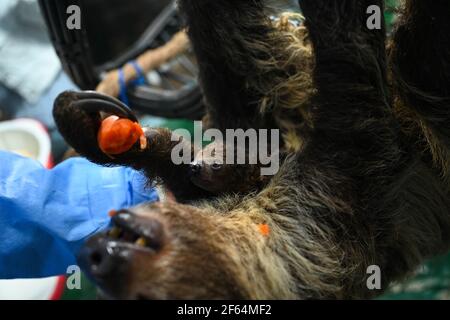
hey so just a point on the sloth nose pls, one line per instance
(102, 263)
(105, 264)
(195, 168)
(108, 258)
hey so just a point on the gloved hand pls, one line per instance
(45, 215)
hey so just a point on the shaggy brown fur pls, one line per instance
(424, 90)
(362, 190)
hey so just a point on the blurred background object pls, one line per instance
(32, 289)
(24, 46)
(115, 33)
(29, 138)
(431, 282)
(30, 71)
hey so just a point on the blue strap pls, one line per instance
(123, 88)
(139, 81)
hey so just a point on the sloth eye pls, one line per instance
(216, 166)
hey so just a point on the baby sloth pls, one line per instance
(210, 172)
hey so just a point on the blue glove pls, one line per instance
(45, 215)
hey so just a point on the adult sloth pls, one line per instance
(366, 184)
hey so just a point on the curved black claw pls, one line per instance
(94, 102)
(78, 116)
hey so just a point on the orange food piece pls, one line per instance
(112, 213)
(264, 229)
(117, 135)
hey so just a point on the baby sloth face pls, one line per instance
(210, 172)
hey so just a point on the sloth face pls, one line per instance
(210, 172)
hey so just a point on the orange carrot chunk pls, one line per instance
(264, 229)
(117, 136)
